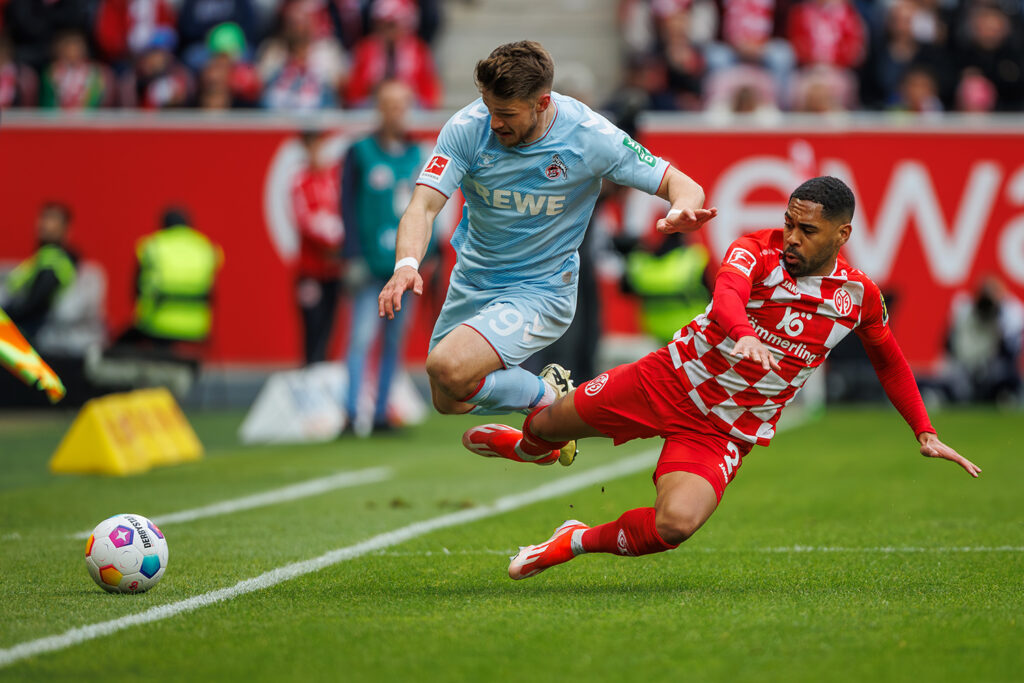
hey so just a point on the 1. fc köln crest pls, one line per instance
(556, 169)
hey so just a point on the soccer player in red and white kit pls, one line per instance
(783, 299)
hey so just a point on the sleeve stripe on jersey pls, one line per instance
(446, 196)
(668, 167)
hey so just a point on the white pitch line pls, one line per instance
(304, 489)
(296, 569)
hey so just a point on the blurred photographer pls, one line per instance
(984, 345)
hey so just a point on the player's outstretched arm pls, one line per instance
(900, 386)
(687, 198)
(413, 237)
(931, 447)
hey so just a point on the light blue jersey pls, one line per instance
(527, 206)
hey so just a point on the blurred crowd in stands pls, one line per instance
(214, 54)
(825, 55)
(762, 56)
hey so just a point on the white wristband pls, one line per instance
(407, 261)
(673, 213)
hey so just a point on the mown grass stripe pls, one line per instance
(304, 489)
(553, 489)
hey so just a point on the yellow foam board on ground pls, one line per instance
(161, 406)
(127, 433)
(160, 446)
(101, 440)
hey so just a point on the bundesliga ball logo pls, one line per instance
(126, 554)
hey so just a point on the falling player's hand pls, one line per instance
(750, 347)
(685, 220)
(931, 447)
(390, 300)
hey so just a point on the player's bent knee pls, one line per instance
(450, 378)
(675, 524)
(445, 408)
(443, 404)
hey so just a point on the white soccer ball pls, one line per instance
(126, 554)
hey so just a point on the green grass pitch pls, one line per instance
(837, 554)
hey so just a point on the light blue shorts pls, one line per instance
(516, 321)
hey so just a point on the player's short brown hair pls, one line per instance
(521, 70)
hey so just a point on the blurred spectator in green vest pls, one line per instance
(33, 288)
(671, 283)
(176, 272)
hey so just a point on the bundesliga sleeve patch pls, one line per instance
(436, 167)
(742, 260)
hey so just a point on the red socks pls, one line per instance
(533, 444)
(634, 533)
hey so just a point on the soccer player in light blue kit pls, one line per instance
(529, 162)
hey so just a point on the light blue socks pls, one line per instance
(507, 391)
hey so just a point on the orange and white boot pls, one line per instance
(502, 441)
(565, 544)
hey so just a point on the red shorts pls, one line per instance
(645, 399)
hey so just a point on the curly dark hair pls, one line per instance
(835, 197)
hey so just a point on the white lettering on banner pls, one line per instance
(1010, 249)
(732, 189)
(910, 197)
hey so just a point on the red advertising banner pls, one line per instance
(119, 175)
(936, 210)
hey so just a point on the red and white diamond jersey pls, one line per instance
(799, 319)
